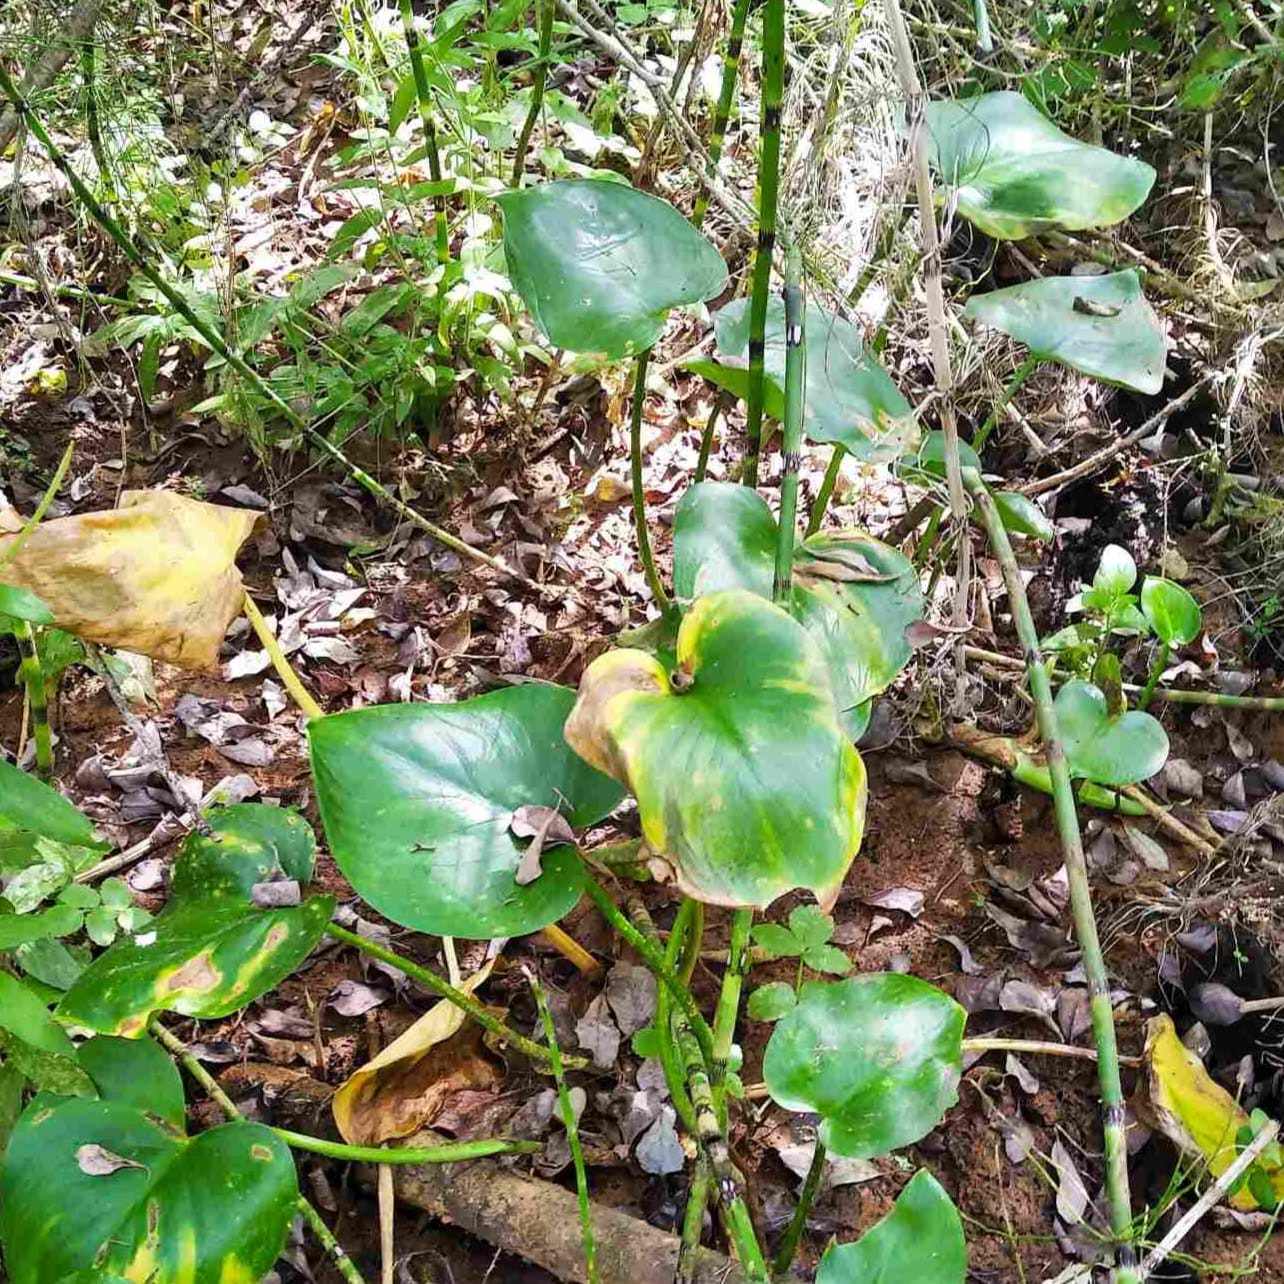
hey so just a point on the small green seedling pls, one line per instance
(806, 939)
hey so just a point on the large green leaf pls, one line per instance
(1014, 174)
(212, 950)
(212, 1209)
(849, 397)
(745, 780)
(1171, 611)
(34, 1043)
(724, 537)
(29, 804)
(23, 604)
(1099, 325)
(877, 1056)
(921, 1240)
(1109, 751)
(599, 264)
(417, 801)
(134, 1072)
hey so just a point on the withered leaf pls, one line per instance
(97, 1161)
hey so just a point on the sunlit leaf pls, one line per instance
(23, 604)
(724, 537)
(1116, 571)
(1014, 174)
(849, 397)
(1171, 611)
(921, 1240)
(156, 575)
(212, 1209)
(417, 799)
(600, 264)
(1023, 516)
(746, 783)
(877, 1056)
(1099, 325)
(34, 1043)
(1109, 751)
(247, 843)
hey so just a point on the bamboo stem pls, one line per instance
(798, 1223)
(443, 989)
(127, 246)
(424, 96)
(773, 92)
(33, 675)
(284, 669)
(728, 1009)
(653, 580)
(1080, 894)
(791, 442)
(820, 505)
(726, 95)
(571, 1124)
(333, 1249)
(693, 1220)
(1023, 372)
(545, 9)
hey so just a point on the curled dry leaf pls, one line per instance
(97, 1161)
(546, 827)
(839, 1170)
(630, 990)
(157, 575)
(1072, 1194)
(351, 998)
(1027, 999)
(906, 899)
(659, 1150)
(598, 1035)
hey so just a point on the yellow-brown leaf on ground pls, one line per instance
(1194, 1112)
(407, 1085)
(157, 575)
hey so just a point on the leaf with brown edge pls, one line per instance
(156, 576)
(745, 781)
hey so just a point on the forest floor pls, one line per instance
(960, 878)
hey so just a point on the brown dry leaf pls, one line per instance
(97, 1161)
(157, 575)
(406, 1086)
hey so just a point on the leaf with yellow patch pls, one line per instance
(166, 1208)
(403, 1089)
(156, 576)
(745, 780)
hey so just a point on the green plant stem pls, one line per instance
(820, 505)
(773, 92)
(64, 291)
(284, 669)
(1117, 1195)
(545, 10)
(128, 246)
(1260, 704)
(639, 496)
(984, 37)
(1023, 372)
(654, 959)
(33, 675)
(728, 1009)
(706, 438)
(927, 542)
(424, 96)
(791, 440)
(679, 938)
(726, 95)
(708, 1130)
(466, 1002)
(12, 548)
(447, 1153)
(333, 1249)
(1157, 666)
(691, 945)
(571, 1125)
(693, 1220)
(798, 1223)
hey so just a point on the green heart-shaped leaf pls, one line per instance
(211, 951)
(30, 805)
(99, 1185)
(1014, 174)
(1099, 325)
(204, 959)
(23, 604)
(877, 1056)
(137, 1073)
(417, 799)
(724, 537)
(745, 780)
(1116, 571)
(849, 398)
(771, 1001)
(921, 1239)
(1109, 751)
(1171, 611)
(599, 264)
(1023, 516)
(248, 843)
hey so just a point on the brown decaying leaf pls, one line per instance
(1072, 1194)
(97, 1161)
(905, 899)
(156, 575)
(545, 827)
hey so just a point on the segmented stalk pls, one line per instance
(693, 1221)
(424, 95)
(1112, 1107)
(708, 1131)
(728, 1009)
(726, 95)
(33, 675)
(791, 443)
(545, 8)
(773, 93)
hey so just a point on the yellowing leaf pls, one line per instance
(1196, 1114)
(157, 575)
(404, 1088)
